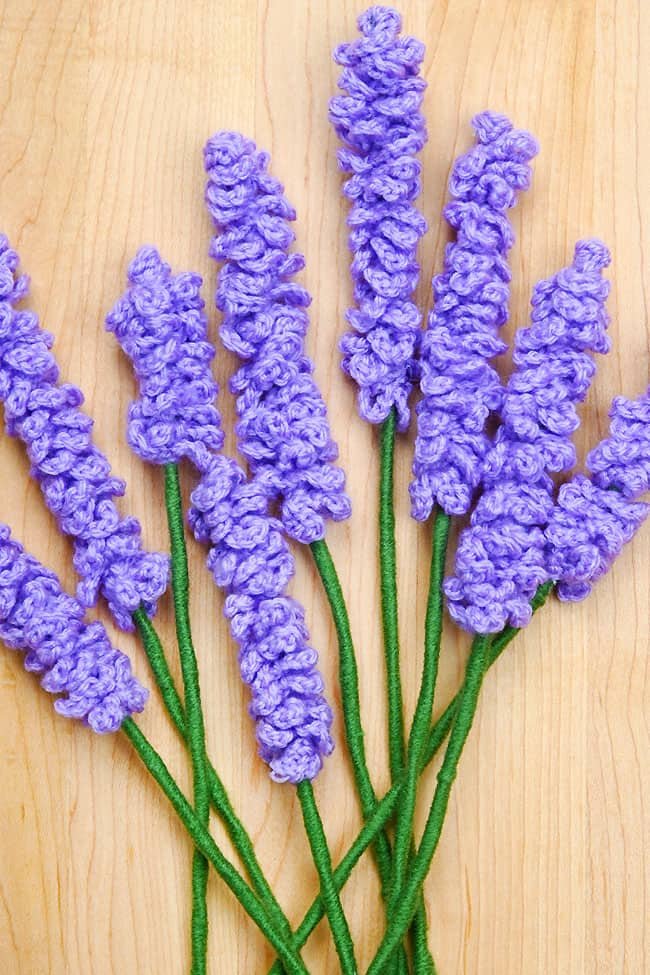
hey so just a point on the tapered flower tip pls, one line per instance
(496, 167)
(147, 266)
(230, 152)
(591, 255)
(239, 186)
(156, 288)
(381, 53)
(378, 20)
(492, 127)
(149, 295)
(12, 288)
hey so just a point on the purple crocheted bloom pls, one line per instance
(74, 475)
(459, 386)
(594, 518)
(161, 326)
(251, 560)
(501, 557)
(380, 123)
(283, 430)
(75, 658)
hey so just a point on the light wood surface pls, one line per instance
(104, 109)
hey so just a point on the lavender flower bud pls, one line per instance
(73, 474)
(501, 557)
(459, 386)
(282, 430)
(382, 128)
(250, 559)
(594, 518)
(75, 658)
(161, 326)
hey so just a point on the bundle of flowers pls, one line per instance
(486, 451)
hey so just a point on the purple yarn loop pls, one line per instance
(459, 386)
(283, 429)
(75, 658)
(501, 558)
(379, 122)
(74, 475)
(595, 517)
(160, 324)
(250, 558)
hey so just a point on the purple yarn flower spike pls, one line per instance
(73, 474)
(501, 557)
(75, 658)
(379, 121)
(161, 326)
(459, 386)
(250, 559)
(283, 430)
(594, 518)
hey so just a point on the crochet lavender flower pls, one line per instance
(459, 386)
(283, 430)
(73, 474)
(382, 129)
(594, 518)
(501, 557)
(161, 326)
(250, 559)
(75, 658)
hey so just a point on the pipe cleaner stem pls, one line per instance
(423, 963)
(218, 793)
(193, 710)
(406, 903)
(424, 707)
(329, 892)
(388, 586)
(349, 683)
(376, 822)
(390, 623)
(385, 807)
(153, 762)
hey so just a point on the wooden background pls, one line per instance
(104, 109)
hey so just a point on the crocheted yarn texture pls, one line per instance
(501, 558)
(160, 324)
(283, 429)
(75, 658)
(459, 386)
(251, 560)
(378, 119)
(73, 474)
(594, 518)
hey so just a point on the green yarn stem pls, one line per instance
(389, 612)
(385, 807)
(218, 794)
(328, 890)
(376, 822)
(349, 684)
(422, 718)
(152, 761)
(442, 726)
(388, 586)
(193, 711)
(423, 963)
(406, 903)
